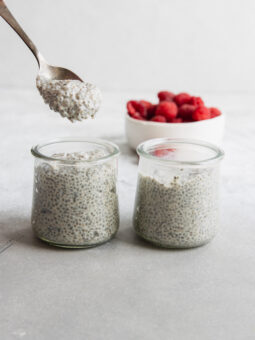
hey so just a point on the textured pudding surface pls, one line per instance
(73, 99)
(75, 204)
(181, 213)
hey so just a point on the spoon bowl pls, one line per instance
(57, 73)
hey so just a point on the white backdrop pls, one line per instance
(195, 45)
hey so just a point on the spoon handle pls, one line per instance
(9, 18)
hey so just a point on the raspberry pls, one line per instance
(163, 153)
(141, 108)
(130, 107)
(185, 111)
(167, 109)
(146, 104)
(182, 98)
(201, 113)
(151, 111)
(137, 116)
(196, 101)
(137, 106)
(177, 120)
(166, 95)
(158, 118)
(214, 112)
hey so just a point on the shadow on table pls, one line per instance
(17, 230)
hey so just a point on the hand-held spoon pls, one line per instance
(45, 69)
(62, 89)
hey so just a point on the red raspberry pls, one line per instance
(137, 116)
(130, 107)
(196, 101)
(163, 153)
(186, 110)
(146, 104)
(151, 111)
(201, 113)
(177, 120)
(214, 112)
(141, 108)
(167, 109)
(137, 106)
(166, 95)
(182, 98)
(159, 118)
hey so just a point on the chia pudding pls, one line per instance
(177, 214)
(73, 99)
(177, 203)
(75, 204)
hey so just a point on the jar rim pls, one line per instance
(142, 150)
(115, 151)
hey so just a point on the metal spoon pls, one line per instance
(46, 70)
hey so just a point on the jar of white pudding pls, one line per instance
(75, 200)
(177, 198)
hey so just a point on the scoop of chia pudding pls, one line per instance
(180, 212)
(75, 203)
(73, 99)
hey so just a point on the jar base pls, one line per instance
(165, 246)
(71, 246)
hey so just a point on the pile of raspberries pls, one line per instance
(180, 108)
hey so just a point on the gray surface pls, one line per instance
(125, 289)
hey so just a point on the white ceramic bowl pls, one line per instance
(209, 130)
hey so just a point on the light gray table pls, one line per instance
(124, 289)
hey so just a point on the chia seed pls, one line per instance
(75, 204)
(73, 99)
(179, 213)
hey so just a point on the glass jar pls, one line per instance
(177, 203)
(75, 200)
